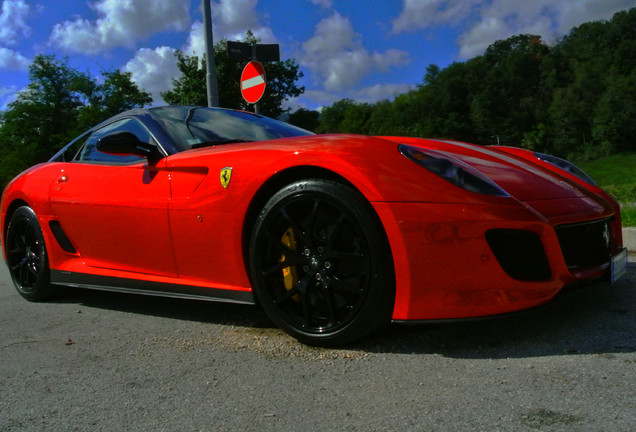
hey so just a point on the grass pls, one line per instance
(617, 175)
(628, 215)
(619, 169)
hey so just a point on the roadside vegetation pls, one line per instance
(617, 175)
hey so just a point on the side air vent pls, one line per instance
(520, 253)
(60, 236)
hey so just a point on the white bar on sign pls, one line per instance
(253, 82)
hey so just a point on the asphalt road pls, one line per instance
(107, 362)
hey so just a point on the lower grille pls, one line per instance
(585, 245)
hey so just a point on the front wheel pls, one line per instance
(321, 264)
(26, 256)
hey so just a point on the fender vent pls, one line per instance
(60, 236)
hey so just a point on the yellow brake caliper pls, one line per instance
(290, 276)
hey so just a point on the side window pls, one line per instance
(68, 153)
(89, 152)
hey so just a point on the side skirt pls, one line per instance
(135, 286)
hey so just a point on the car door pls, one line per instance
(115, 208)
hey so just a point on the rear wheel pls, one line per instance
(320, 263)
(26, 256)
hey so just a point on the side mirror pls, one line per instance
(125, 144)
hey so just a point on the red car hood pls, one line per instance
(521, 179)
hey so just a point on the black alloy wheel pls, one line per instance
(27, 257)
(320, 263)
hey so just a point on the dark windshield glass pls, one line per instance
(195, 126)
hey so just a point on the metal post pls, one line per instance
(211, 80)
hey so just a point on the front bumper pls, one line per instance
(462, 261)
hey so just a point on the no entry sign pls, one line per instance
(253, 82)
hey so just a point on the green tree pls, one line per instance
(58, 104)
(333, 116)
(190, 87)
(304, 118)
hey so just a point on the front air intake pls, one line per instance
(520, 254)
(585, 245)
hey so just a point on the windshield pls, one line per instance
(191, 127)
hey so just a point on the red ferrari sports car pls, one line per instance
(332, 235)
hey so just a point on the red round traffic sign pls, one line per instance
(253, 82)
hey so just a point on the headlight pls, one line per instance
(565, 166)
(452, 170)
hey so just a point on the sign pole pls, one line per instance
(211, 80)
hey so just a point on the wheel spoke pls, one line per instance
(299, 289)
(345, 287)
(311, 223)
(24, 261)
(329, 300)
(23, 277)
(288, 294)
(333, 235)
(295, 227)
(19, 240)
(279, 266)
(283, 249)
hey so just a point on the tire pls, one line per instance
(26, 256)
(320, 263)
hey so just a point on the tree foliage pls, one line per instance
(58, 104)
(576, 98)
(190, 87)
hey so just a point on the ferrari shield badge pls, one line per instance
(225, 176)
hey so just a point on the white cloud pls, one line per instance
(489, 20)
(574, 13)
(379, 92)
(120, 23)
(196, 40)
(11, 60)
(13, 21)
(232, 18)
(153, 70)
(336, 55)
(417, 14)
(327, 4)
(7, 95)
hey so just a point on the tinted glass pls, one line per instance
(90, 153)
(197, 126)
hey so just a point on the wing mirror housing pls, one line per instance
(125, 144)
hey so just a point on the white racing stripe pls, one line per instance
(253, 82)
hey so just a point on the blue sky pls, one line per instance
(364, 50)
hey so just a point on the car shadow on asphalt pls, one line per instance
(594, 319)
